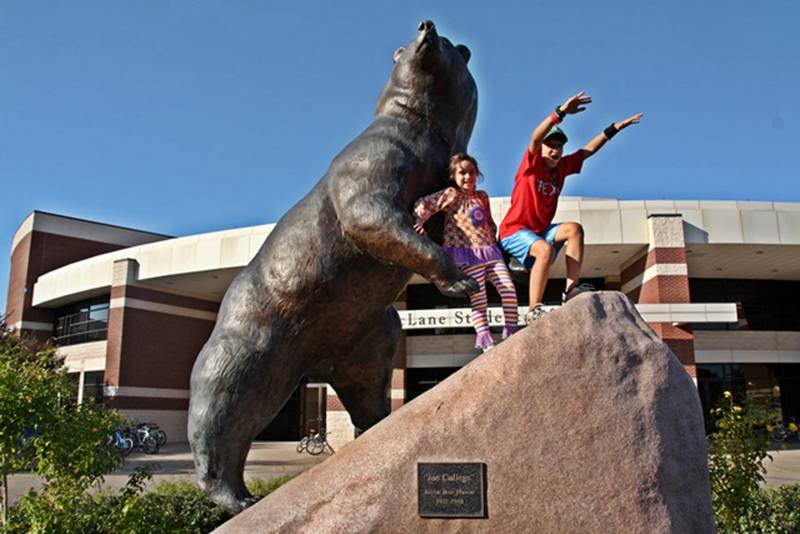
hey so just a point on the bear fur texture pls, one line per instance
(316, 300)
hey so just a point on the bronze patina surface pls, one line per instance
(316, 300)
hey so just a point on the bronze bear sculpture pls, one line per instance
(316, 300)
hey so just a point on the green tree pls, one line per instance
(737, 450)
(42, 426)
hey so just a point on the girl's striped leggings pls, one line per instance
(498, 275)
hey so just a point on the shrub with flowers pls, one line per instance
(737, 450)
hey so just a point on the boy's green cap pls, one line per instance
(555, 131)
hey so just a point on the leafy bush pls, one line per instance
(737, 450)
(182, 507)
(261, 488)
(68, 443)
(171, 507)
(42, 426)
(774, 511)
(175, 507)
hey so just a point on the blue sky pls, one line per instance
(183, 117)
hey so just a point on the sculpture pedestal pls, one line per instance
(582, 422)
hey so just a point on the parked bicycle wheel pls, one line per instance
(302, 445)
(161, 437)
(316, 445)
(149, 445)
(125, 446)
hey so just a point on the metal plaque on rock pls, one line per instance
(452, 490)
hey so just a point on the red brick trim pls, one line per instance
(664, 289)
(151, 349)
(116, 317)
(666, 255)
(16, 299)
(399, 360)
(634, 293)
(38, 253)
(633, 270)
(399, 379)
(333, 404)
(680, 339)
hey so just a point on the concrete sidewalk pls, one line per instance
(784, 467)
(268, 460)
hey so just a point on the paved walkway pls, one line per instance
(784, 467)
(268, 460)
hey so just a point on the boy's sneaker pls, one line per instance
(575, 291)
(537, 312)
(487, 348)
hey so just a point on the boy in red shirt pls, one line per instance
(527, 232)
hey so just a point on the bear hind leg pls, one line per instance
(237, 390)
(363, 379)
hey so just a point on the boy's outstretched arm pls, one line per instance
(600, 139)
(573, 105)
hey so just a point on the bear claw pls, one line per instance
(459, 288)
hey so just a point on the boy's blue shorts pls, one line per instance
(519, 243)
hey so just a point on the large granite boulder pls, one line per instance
(585, 420)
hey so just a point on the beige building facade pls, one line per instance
(131, 309)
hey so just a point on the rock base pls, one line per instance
(585, 420)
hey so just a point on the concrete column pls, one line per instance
(126, 271)
(660, 275)
(397, 393)
(153, 339)
(80, 387)
(338, 424)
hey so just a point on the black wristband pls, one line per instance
(560, 113)
(611, 131)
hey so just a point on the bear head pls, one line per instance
(430, 80)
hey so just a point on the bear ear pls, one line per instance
(397, 53)
(464, 52)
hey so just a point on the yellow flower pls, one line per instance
(727, 394)
(737, 409)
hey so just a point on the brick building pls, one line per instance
(131, 309)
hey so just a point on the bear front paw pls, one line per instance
(463, 287)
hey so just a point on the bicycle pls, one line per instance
(155, 431)
(778, 432)
(315, 443)
(142, 439)
(122, 443)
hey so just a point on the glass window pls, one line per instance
(761, 304)
(771, 390)
(93, 382)
(82, 322)
(74, 382)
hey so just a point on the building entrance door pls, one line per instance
(288, 424)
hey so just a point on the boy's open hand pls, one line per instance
(576, 104)
(419, 228)
(633, 119)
